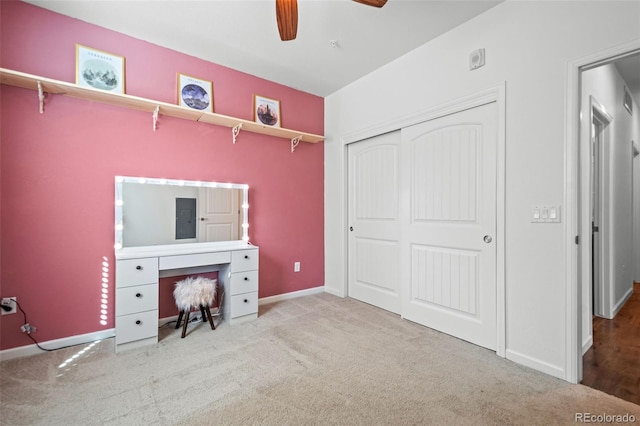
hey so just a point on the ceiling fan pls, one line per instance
(287, 15)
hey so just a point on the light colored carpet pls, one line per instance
(315, 360)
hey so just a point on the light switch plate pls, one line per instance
(545, 214)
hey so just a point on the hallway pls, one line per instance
(612, 364)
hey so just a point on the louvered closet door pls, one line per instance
(374, 221)
(449, 247)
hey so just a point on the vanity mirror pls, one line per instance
(153, 211)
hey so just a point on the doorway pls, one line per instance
(609, 248)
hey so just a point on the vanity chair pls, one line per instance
(194, 293)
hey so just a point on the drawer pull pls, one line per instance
(139, 268)
(138, 294)
(246, 300)
(246, 278)
(138, 322)
(246, 256)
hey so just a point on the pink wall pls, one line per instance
(57, 171)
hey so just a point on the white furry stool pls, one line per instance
(194, 292)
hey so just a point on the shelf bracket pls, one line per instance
(236, 131)
(41, 96)
(156, 112)
(295, 142)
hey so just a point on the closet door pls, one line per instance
(449, 229)
(374, 221)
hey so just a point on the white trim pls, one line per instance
(501, 199)
(536, 364)
(602, 295)
(292, 295)
(621, 303)
(334, 292)
(574, 270)
(29, 350)
(451, 107)
(166, 320)
(495, 94)
(587, 345)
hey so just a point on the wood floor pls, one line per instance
(612, 365)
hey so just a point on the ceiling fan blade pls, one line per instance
(374, 3)
(287, 15)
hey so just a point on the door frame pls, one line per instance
(599, 254)
(577, 230)
(495, 94)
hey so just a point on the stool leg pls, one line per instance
(186, 321)
(204, 317)
(179, 319)
(206, 308)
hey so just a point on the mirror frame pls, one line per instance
(120, 180)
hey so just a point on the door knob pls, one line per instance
(487, 239)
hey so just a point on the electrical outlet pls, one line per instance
(10, 302)
(27, 328)
(296, 267)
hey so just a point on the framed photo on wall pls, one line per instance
(195, 93)
(266, 111)
(99, 70)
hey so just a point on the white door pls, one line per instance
(374, 221)
(449, 228)
(219, 214)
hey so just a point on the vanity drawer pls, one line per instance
(136, 326)
(244, 260)
(136, 299)
(244, 304)
(189, 260)
(244, 282)
(136, 271)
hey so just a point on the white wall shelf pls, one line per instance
(45, 85)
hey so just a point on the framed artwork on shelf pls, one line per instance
(627, 102)
(99, 70)
(266, 111)
(195, 93)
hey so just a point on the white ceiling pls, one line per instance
(243, 34)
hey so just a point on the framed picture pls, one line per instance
(195, 93)
(627, 102)
(266, 111)
(99, 70)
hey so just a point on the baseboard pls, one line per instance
(536, 364)
(334, 292)
(292, 295)
(29, 350)
(621, 303)
(166, 320)
(587, 344)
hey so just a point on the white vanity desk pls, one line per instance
(138, 270)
